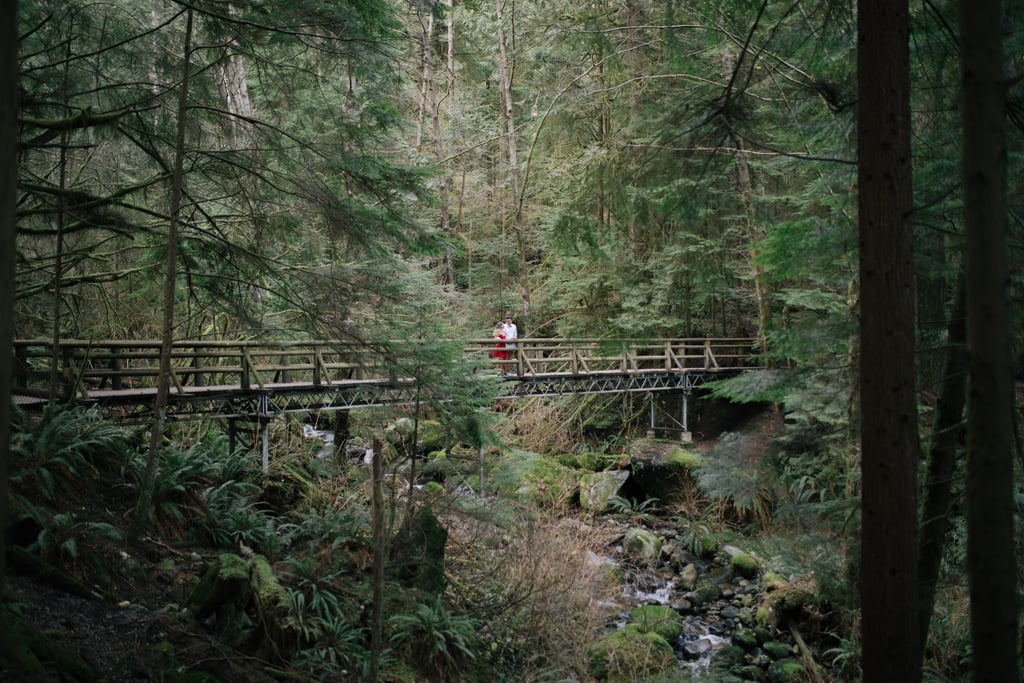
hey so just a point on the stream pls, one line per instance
(705, 631)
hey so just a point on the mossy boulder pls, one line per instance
(598, 462)
(745, 638)
(682, 458)
(728, 657)
(666, 475)
(744, 566)
(630, 654)
(660, 619)
(224, 592)
(786, 671)
(598, 489)
(777, 650)
(788, 601)
(642, 546)
(535, 478)
(431, 435)
(705, 593)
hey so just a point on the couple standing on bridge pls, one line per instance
(504, 349)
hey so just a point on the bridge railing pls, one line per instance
(535, 356)
(86, 368)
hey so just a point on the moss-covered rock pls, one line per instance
(745, 638)
(788, 601)
(786, 671)
(705, 593)
(744, 565)
(630, 654)
(431, 435)
(537, 479)
(598, 462)
(642, 545)
(682, 458)
(598, 489)
(728, 657)
(660, 619)
(777, 650)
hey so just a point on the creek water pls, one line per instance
(701, 636)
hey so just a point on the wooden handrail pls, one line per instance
(91, 366)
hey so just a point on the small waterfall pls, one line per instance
(703, 634)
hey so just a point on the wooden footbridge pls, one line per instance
(256, 380)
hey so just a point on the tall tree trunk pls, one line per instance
(506, 70)
(156, 435)
(889, 437)
(8, 201)
(947, 441)
(991, 566)
(747, 195)
(432, 99)
(379, 557)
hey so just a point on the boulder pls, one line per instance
(597, 490)
(744, 565)
(540, 480)
(630, 654)
(642, 546)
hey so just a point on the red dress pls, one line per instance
(499, 352)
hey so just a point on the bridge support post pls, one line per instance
(265, 438)
(650, 427)
(685, 436)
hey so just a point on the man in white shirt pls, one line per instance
(511, 332)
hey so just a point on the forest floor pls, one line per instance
(124, 633)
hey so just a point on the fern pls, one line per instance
(732, 473)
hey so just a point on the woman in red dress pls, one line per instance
(499, 349)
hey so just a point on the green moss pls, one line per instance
(660, 619)
(537, 479)
(432, 489)
(679, 457)
(598, 462)
(430, 436)
(729, 656)
(777, 650)
(744, 565)
(786, 671)
(630, 654)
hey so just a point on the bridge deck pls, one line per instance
(260, 379)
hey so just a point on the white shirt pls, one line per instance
(510, 333)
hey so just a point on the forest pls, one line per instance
(841, 182)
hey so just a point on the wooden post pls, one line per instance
(198, 378)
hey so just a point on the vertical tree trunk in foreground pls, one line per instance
(156, 435)
(991, 567)
(946, 443)
(889, 437)
(379, 557)
(8, 201)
